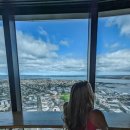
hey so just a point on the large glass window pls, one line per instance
(52, 57)
(5, 103)
(113, 64)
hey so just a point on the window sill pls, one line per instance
(115, 121)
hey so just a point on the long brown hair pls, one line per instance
(81, 102)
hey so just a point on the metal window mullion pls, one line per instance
(93, 24)
(12, 61)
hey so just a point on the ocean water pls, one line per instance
(50, 77)
(55, 77)
(121, 81)
(105, 79)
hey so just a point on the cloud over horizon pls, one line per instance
(64, 43)
(118, 61)
(38, 56)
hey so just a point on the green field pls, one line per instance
(65, 97)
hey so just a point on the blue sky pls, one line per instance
(75, 32)
(113, 45)
(69, 36)
(59, 47)
(110, 35)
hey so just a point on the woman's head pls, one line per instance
(80, 104)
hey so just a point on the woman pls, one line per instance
(79, 113)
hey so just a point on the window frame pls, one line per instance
(61, 10)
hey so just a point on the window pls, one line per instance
(113, 64)
(5, 103)
(52, 57)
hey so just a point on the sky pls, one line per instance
(59, 47)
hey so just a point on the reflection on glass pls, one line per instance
(113, 64)
(5, 104)
(52, 57)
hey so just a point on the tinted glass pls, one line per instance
(52, 57)
(113, 64)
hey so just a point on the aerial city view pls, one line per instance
(49, 95)
(52, 56)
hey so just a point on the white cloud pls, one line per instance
(112, 46)
(122, 22)
(42, 31)
(64, 43)
(40, 57)
(49, 66)
(118, 61)
(29, 47)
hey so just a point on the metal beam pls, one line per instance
(93, 24)
(12, 61)
(51, 16)
(61, 7)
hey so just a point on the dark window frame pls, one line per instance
(61, 10)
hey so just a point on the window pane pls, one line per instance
(113, 64)
(5, 103)
(52, 57)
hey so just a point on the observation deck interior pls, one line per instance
(54, 120)
(24, 10)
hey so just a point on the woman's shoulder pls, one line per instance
(96, 112)
(98, 119)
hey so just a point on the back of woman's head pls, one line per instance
(76, 111)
